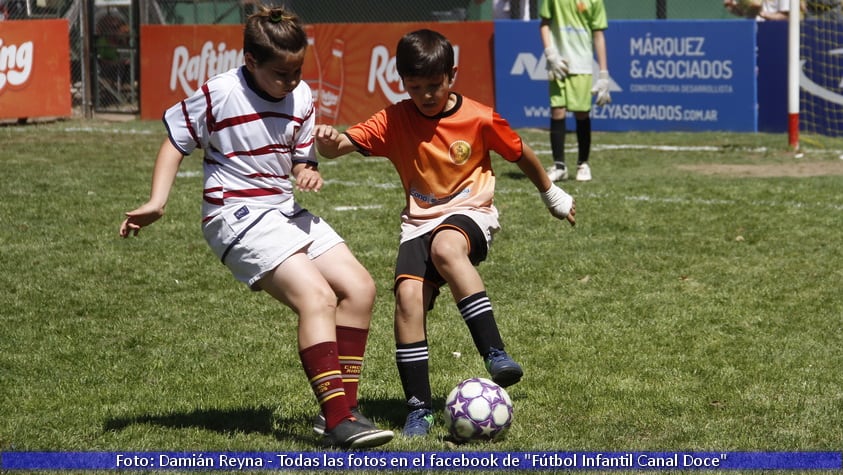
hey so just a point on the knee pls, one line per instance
(363, 289)
(409, 300)
(323, 297)
(445, 251)
(356, 297)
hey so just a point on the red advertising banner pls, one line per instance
(34, 69)
(176, 60)
(350, 67)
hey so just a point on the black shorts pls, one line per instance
(414, 260)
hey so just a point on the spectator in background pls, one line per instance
(112, 35)
(12, 10)
(512, 9)
(761, 10)
(504, 9)
(572, 34)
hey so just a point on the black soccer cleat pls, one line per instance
(352, 434)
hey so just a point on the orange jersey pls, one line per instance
(443, 161)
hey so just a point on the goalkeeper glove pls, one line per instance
(557, 67)
(558, 202)
(602, 89)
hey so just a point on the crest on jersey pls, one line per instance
(459, 152)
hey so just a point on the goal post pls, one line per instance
(793, 68)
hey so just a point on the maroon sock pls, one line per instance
(351, 343)
(323, 372)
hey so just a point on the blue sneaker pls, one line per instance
(504, 371)
(418, 423)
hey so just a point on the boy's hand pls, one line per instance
(560, 204)
(601, 89)
(557, 67)
(138, 218)
(308, 177)
(325, 133)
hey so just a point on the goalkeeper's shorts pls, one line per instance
(572, 93)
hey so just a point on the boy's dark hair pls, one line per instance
(273, 32)
(424, 53)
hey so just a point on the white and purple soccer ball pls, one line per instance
(478, 409)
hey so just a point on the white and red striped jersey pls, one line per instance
(250, 141)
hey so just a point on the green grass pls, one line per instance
(685, 311)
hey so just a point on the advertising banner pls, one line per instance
(351, 67)
(176, 60)
(34, 69)
(772, 76)
(665, 75)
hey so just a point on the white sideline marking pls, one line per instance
(659, 148)
(385, 186)
(355, 208)
(679, 148)
(641, 198)
(333, 161)
(765, 204)
(111, 131)
(714, 202)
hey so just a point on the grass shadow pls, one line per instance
(260, 420)
(513, 175)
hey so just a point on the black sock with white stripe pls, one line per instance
(413, 369)
(476, 311)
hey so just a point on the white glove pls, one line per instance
(557, 67)
(602, 89)
(558, 202)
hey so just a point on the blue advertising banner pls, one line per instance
(665, 75)
(419, 461)
(772, 76)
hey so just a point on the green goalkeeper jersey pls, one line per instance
(571, 24)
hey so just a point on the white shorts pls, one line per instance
(252, 241)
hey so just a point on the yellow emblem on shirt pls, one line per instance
(459, 152)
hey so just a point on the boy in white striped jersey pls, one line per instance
(255, 124)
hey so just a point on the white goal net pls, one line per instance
(821, 69)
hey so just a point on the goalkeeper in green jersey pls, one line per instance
(572, 35)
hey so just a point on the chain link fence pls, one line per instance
(104, 34)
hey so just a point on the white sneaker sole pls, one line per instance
(373, 438)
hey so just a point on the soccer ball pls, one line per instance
(478, 409)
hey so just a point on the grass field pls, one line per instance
(697, 304)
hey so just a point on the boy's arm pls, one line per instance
(330, 143)
(163, 176)
(560, 204)
(598, 37)
(544, 32)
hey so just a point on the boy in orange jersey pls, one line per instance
(439, 142)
